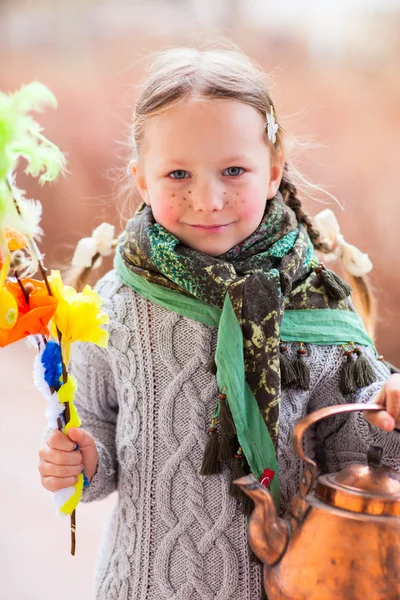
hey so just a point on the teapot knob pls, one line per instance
(374, 456)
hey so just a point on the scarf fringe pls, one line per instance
(241, 469)
(294, 374)
(302, 369)
(211, 463)
(288, 371)
(335, 286)
(356, 373)
(364, 374)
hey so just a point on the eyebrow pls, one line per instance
(230, 160)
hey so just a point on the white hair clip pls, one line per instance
(355, 262)
(101, 243)
(271, 125)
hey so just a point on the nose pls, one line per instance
(207, 196)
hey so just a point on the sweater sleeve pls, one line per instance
(345, 439)
(96, 402)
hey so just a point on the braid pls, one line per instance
(363, 295)
(289, 193)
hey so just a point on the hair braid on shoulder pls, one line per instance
(289, 193)
(363, 294)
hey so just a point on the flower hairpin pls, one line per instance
(271, 125)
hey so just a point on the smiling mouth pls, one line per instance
(210, 227)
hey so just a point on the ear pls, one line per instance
(140, 180)
(276, 172)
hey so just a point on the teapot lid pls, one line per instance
(368, 489)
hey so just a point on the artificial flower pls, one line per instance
(14, 239)
(21, 135)
(355, 262)
(101, 243)
(32, 318)
(78, 316)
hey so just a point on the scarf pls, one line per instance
(267, 289)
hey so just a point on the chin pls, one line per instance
(213, 251)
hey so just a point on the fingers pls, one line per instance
(60, 463)
(48, 469)
(381, 419)
(53, 484)
(60, 457)
(389, 399)
(393, 397)
(57, 440)
(80, 437)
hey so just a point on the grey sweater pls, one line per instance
(147, 399)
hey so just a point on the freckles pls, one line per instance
(173, 195)
(189, 192)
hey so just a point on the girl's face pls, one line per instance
(206, 171)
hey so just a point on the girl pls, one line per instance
(224, 331)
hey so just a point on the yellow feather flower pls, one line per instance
(78, 315)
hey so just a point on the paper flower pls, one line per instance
(271, 125)
(101, 243)
(78, 316)
(355, 262)
(32, 318)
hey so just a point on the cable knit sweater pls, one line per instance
(147, 399)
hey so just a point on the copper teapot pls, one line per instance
(342, 537)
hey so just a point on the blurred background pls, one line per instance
(336, 81)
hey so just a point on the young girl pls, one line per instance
(224, 332)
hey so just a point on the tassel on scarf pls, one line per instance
(288, 372)
(335, 286)
(211, 366)
(228, 443)
(225, 417)
(302, 369)
(211, 464)
(240, 469)
(347, 380)
(363, 372)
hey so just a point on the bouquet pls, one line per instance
(48, 313)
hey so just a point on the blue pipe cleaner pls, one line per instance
(51, 361)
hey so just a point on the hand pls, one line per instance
(389, 398)
(60, 462)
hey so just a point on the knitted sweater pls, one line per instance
(147, 400)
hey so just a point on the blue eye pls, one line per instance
(178, 174)
(234, 171)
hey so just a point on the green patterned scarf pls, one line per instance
(245, 293)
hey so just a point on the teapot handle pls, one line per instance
(320, 414)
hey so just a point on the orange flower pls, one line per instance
(15, 240)
(33, 317)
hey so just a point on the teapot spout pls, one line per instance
(268, 534)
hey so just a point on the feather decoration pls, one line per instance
(54, 408)
(51, 361)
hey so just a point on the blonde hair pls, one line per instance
(226, 73)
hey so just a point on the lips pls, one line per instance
(214, 226)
